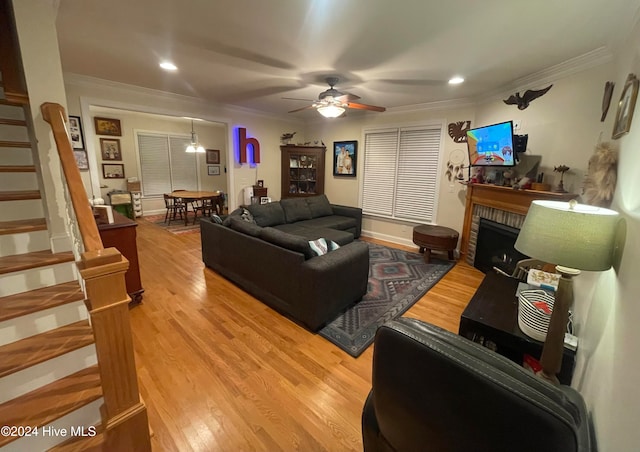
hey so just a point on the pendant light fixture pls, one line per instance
(194, 146)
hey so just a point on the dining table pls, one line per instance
(193, 197)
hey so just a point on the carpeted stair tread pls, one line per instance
(40, 299)
(19, 195)
(50, 402)
(35, 259)
(21, 226)
(32, 350)
(17, 169)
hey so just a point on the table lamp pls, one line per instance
(574, 237)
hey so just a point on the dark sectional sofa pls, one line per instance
(268, 255)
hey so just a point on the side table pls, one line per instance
(429, 237)
(491, 319)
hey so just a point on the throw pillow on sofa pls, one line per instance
(288, 241)
(319, 206)
(322, 246)
(270, 214)
(246, 216)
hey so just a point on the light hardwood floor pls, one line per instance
(220, 371)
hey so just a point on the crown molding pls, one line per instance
(436, 105)
(572, 66)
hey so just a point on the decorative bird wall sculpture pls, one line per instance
(529, 96)
(458, 131)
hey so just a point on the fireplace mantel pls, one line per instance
(501, 198)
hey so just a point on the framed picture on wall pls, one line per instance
(626, 105)
(213, 170)
(345, 154)
(81, 159)
(213, 157)
(75, 132)
(107, 126)
(113, 171)
(110, 149)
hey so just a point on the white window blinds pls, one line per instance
(400, 172)
(164, 164)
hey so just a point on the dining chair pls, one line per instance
(175, 207)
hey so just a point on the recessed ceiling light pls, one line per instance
(168, 66)
(456, 80)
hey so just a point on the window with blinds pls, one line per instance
(400, 172)
(164, 164)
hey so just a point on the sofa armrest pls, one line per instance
(334, 280)
(348, 211)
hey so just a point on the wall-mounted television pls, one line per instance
(491, 145)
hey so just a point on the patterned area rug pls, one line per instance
(176, 226)
(397, 280)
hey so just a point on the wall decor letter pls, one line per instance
(243, 142)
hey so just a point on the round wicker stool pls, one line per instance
(438, 238)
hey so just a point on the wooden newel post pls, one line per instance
(124, 415)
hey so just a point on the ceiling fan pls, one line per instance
(332, 103)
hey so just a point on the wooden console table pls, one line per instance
(121, 234)
(502, 198)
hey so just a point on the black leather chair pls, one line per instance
(434, 391)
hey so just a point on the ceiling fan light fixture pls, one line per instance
(330, 111)
(194, 146)
(168, 66)
(456, 80)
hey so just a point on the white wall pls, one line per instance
(608, 369)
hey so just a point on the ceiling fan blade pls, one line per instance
(347, 97)
(365, 107)
(297, 98)
(303, 108)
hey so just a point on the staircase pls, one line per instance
(49, 376)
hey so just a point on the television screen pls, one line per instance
(491, 145)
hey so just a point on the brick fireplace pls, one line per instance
(503, 205)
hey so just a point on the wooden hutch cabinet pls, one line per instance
(302, 170)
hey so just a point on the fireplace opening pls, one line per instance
(494, 247)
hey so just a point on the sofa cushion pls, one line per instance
(335, 235)
(288, 241)
(333, 222)
(246, 227)
(319, 206)
(269, 214)
(295, 209)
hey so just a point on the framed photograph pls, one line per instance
(81, 159)
(260, 183)
(113, 171)
(107, 126)
(110, 149)
(345, 155)
(626, 105)
(265, 200)
(75, 132)
(213, 157)
(213, 170)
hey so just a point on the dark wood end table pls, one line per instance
(491, 319)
